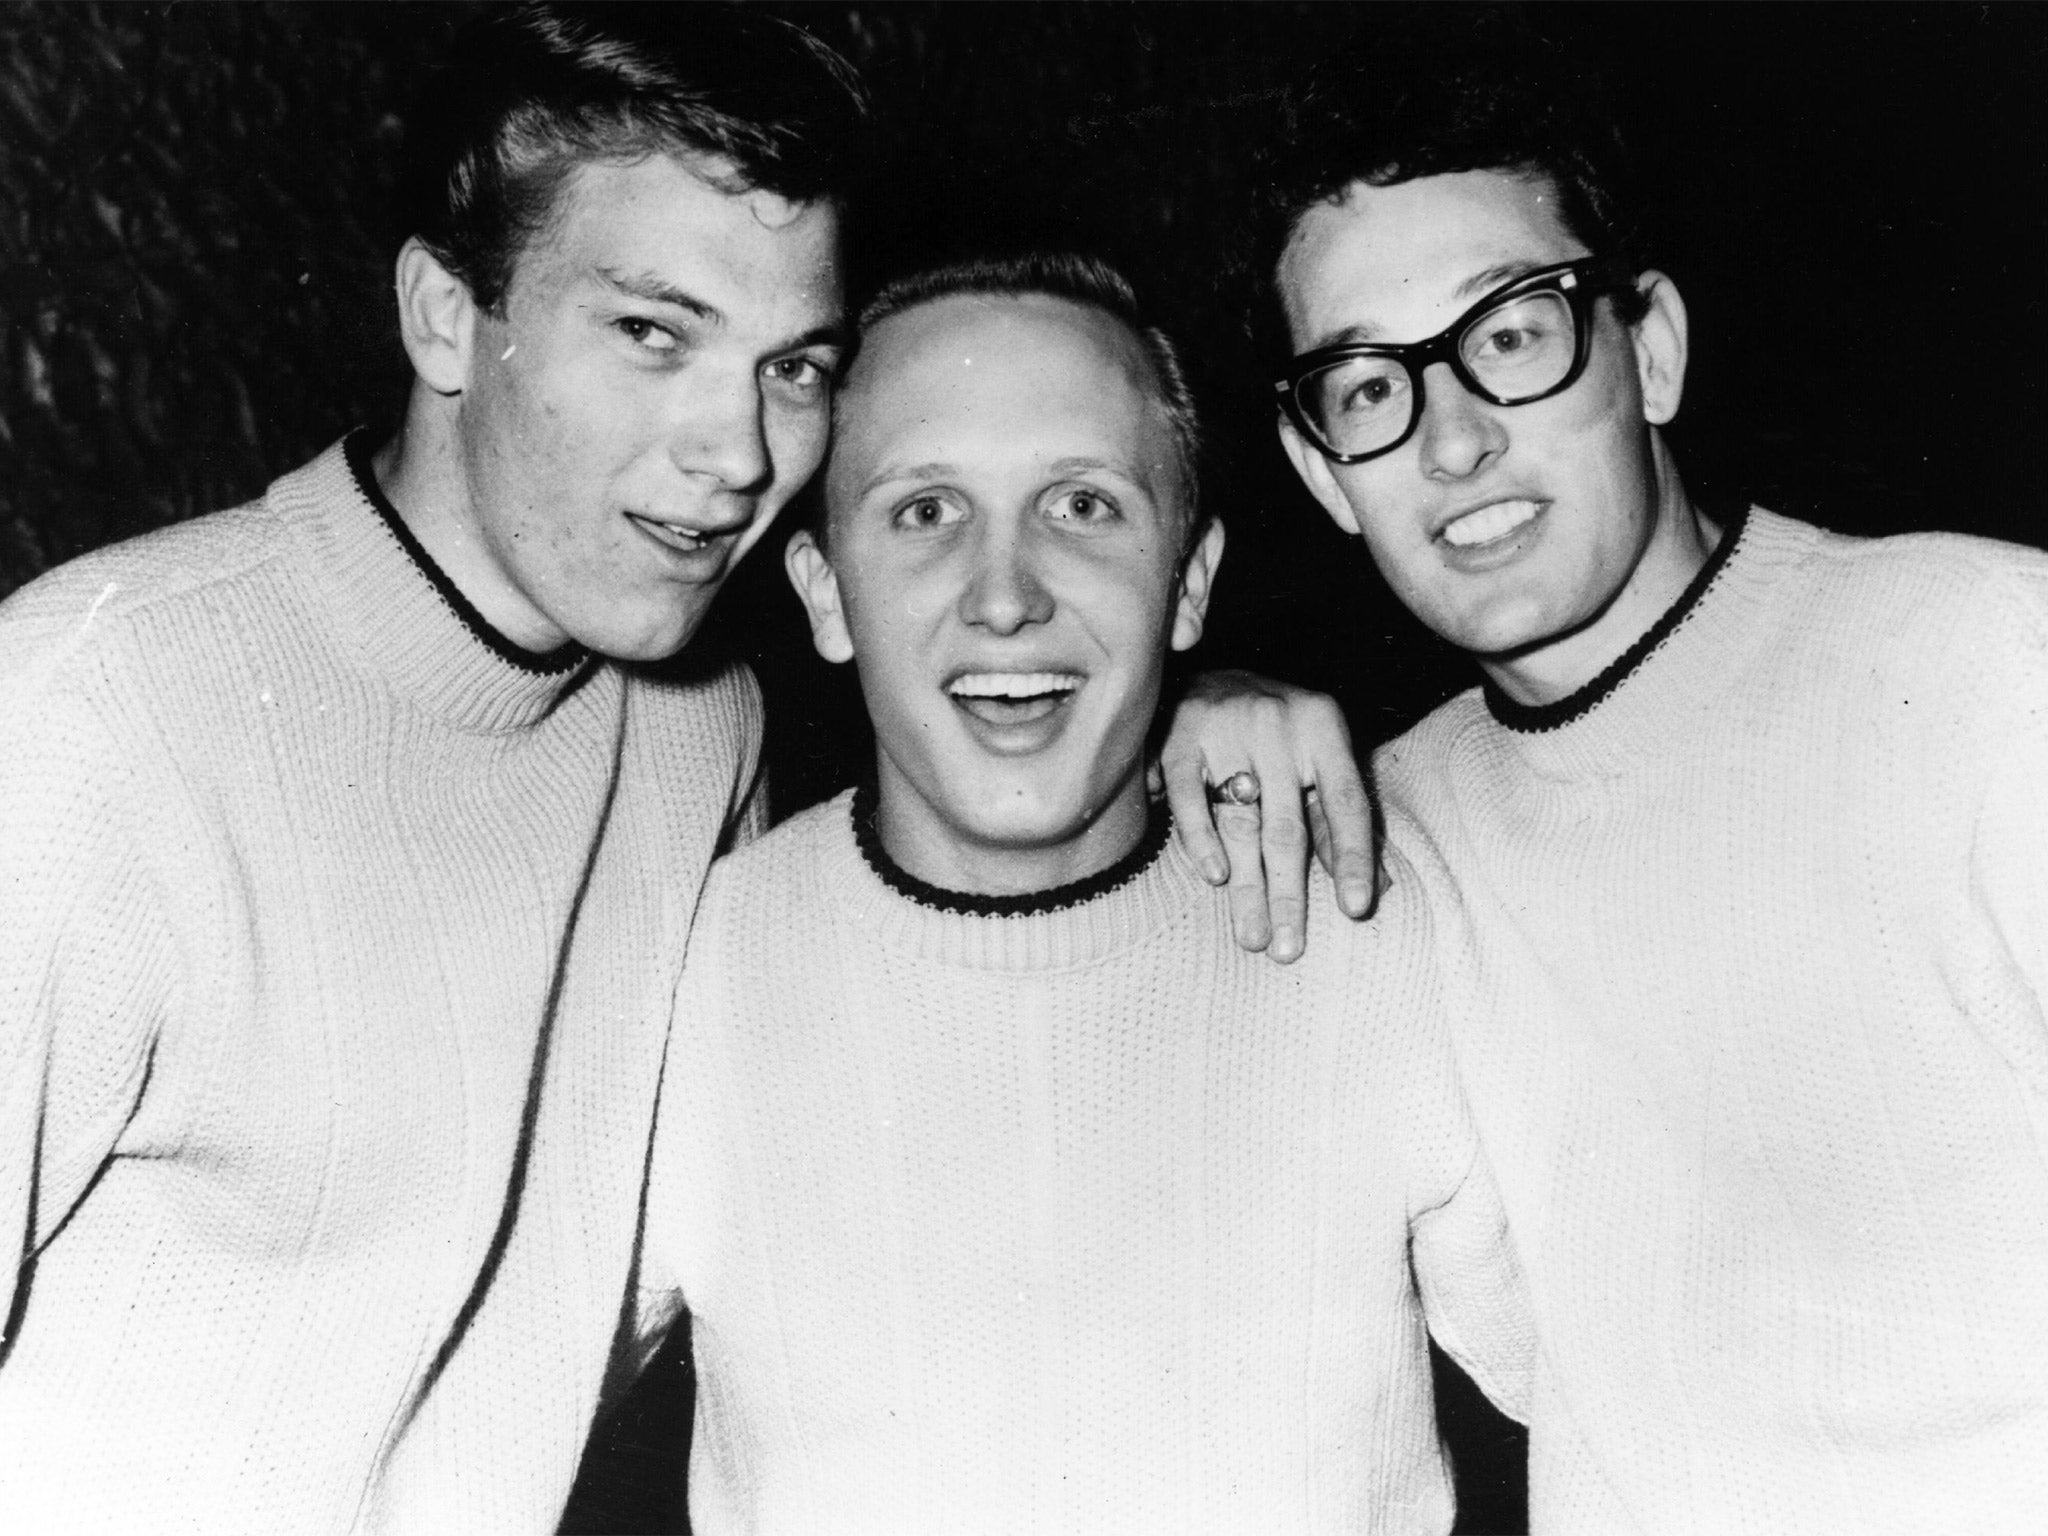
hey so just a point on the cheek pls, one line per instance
(796, 445)
(1391, 524)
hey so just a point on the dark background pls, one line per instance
(195, 297)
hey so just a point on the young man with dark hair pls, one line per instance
(345, 865)
(1004, 1192)
(1747, 821)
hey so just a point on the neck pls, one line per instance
(421, 474)
(933, 848)
(1680, 542)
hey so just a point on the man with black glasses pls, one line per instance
(1748, 822)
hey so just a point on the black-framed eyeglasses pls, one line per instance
(1525, 341)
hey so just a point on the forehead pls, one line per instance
(1397, 263)
(997, 382)
(663, 221)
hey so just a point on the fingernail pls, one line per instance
(1356, 895)
(1286, 944)
(1214, 870)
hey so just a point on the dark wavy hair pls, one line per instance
(1080, 279)
(1453, 91)
(532, 91)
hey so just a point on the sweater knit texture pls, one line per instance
(1074, 1219)
(340, 946)
(1758, 1052)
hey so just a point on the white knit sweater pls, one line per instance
(1763, 923)
(1075, 1219)
(337, 960)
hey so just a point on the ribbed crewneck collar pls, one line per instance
(1077, 924)
(1650, 697)
(410, 621)
(1517, 716)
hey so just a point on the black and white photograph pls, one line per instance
(1077, 767)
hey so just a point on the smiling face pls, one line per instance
(1544, 537)
(1005, 537)
(657, 386)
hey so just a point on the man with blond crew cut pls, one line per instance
(1003, 1191)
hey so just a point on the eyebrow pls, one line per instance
(656, 290)
(1472, 288)
(645, 285)
(1496, 276)
(949, 471)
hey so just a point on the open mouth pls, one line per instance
(1012, 698)
(675, 535)
(1490, 524)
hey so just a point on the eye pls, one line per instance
(1082, 505)
(1374, 391)
(925, 512)
(1507, 340)
(643, 332)
(803, 378)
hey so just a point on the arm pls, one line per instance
(749, 817)
(2009, 846)
(1473, 1295)
(85, 972)
(1311, 791)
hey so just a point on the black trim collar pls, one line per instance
(1582, 701)
(356, 448)
(1032, 904)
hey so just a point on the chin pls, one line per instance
(651, 642)
(1025, 828)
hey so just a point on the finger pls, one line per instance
(1238, 826)
(1319, 831)
(1354, 834)
(1187, 792)
(1284, 850)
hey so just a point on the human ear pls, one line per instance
(818, 588)
(1314, 470)
(436, 319)
(1660, 343)
(1197, 577)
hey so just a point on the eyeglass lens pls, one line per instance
(1518, 350)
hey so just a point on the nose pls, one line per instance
(719, 435)
(1459, 433)
(1005, 593)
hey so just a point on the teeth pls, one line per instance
(673, 533)
(1012, 685)
(1490, 522)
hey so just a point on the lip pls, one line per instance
(1518, 528)
(696, 553)
(1014, 710)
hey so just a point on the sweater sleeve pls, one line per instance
(749, 816)
(2009, 853)
(85, 971)
(1473, 1296)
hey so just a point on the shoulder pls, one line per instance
(692, 704)
(1931, 636)
(1413, 761)
(780, 871)
(87, 604)
(1901, 587)
(1361, 968)
(762, 925)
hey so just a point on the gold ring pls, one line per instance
(1241, 788)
